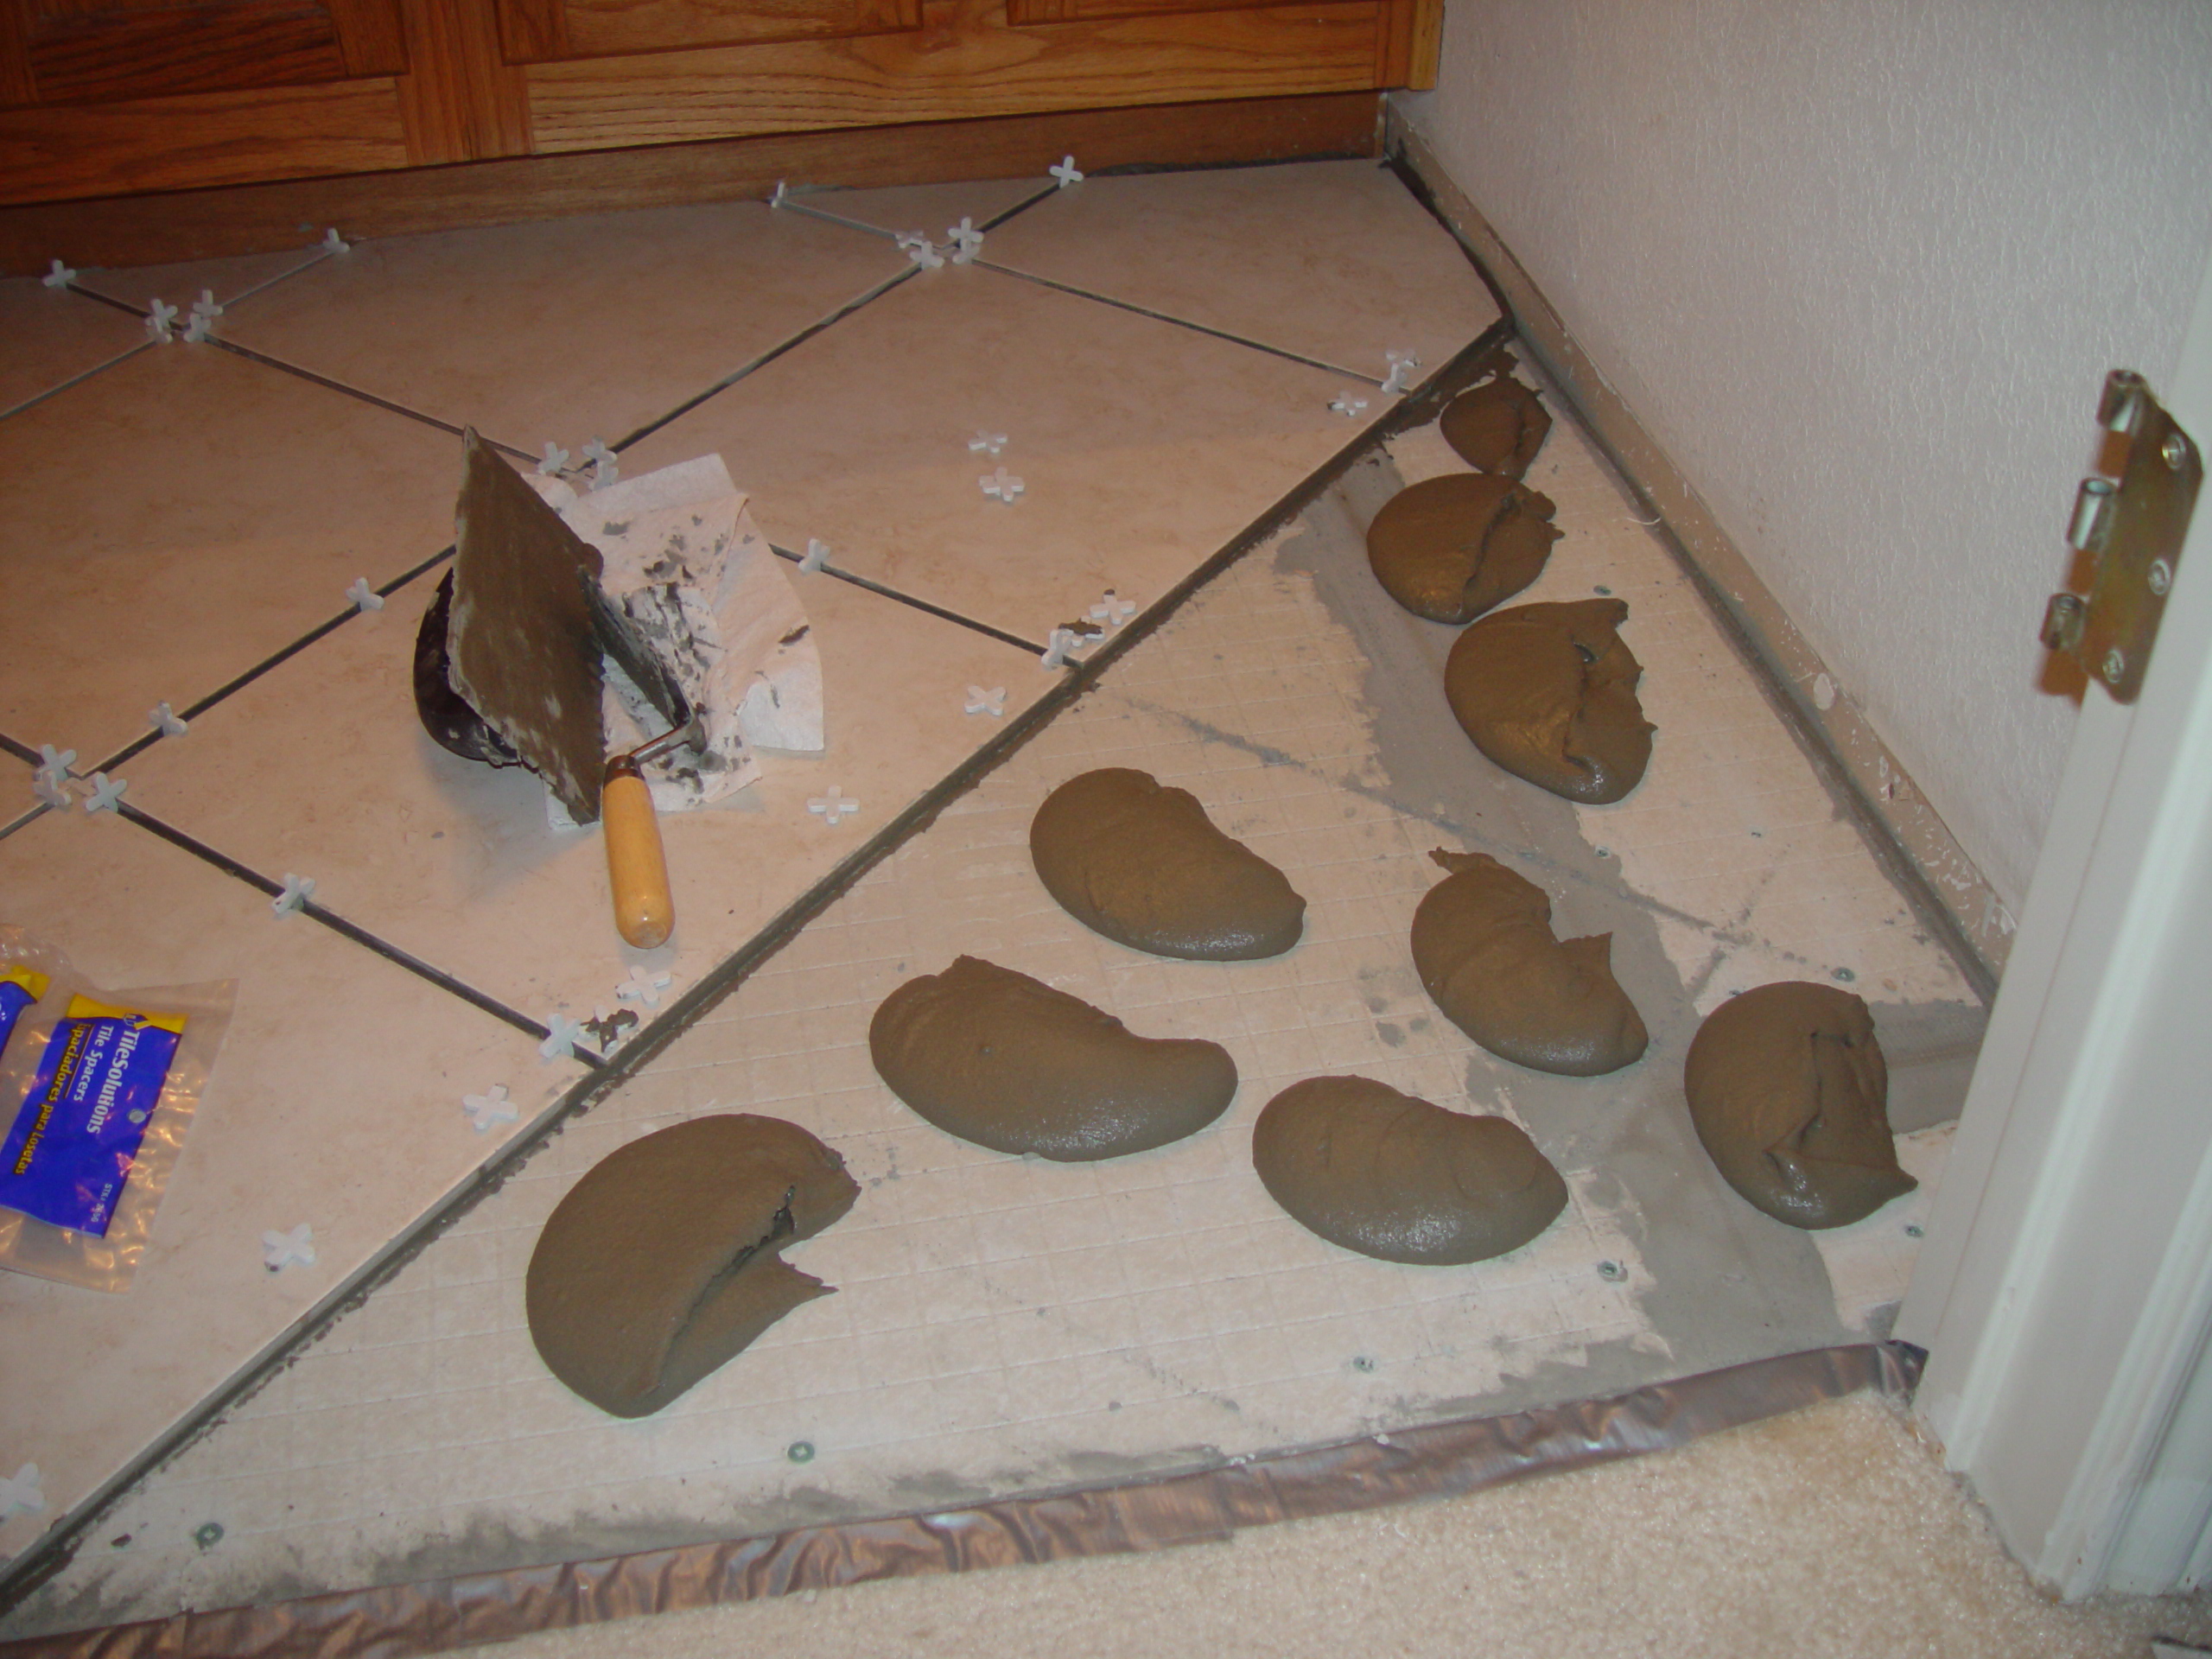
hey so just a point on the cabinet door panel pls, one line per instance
(63, 52)
(548, 31)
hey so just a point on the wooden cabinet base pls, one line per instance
(259, 218)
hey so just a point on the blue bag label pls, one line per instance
(20, 986)
(69, 1153)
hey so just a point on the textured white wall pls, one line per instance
(1860, 266)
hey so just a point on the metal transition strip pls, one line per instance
(1915, 848)
(1205, 1505)
(54, 1550)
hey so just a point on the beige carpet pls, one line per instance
(1832, 1531)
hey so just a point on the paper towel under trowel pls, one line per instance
(681, 554)
(519, 642)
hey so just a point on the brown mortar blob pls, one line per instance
(1498, 426)
(1483, 947)
(1450, 548)
(660, 1264)
(1401, 1179)
(1143, 865)
(1548, 692)
(1790, 1095)
(1005, 1061)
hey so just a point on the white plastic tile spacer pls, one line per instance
(965, 241)
(165, 720)
(556, 462)
(1113, 610)
(159, 314)
(920, 250)
(364, 597)
(20, 1493)
(987, 700)
(782, 191)
(1067, 173)
(334, 243)
(817, 554)
(1001, 484)
(50, 779)
(561, 1034)
(1402, 365)
(106, 795)
(204, 313)
(643, 986)
(987, 443)
(489, 1108)
(832, 806)
(1058, 645)
(298, 889)
(60, 276)
(604, 471)
(281, 1250)
(1348, 406)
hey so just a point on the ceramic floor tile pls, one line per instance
(52, 336)
(182, 516)
(321, 767)
(230, 280)
(336, 1101)
(1332, 260)
(930, 209)
(1140, 448)
(566, 329)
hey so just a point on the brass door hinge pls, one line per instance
(2129, 522)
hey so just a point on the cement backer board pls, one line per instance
(1004, 1325)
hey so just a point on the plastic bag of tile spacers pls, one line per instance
(97, 1091)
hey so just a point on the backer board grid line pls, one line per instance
(1005, 1325)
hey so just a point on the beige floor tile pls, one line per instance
(183, 516)
(336, 1101)
(52, 336)
(929, 209)
(1332, 260)
(230, 280)
(320, 767)
(1142, 448)
(567, 329)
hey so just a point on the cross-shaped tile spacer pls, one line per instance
(643, 986)
(604, 471)
(160, 316)
(280, 1250)
(561, 1034)
(60, 276)
(1065, 172)
(987, 443)
(1402, 365)
(920, 250)
(1347, 406)
(817, 554)
(164, 719)
(1113, 611)
(987, 701)
(19, 1492)
(1058, 645)
(107, 793)
(965, 241)
(364, 597)
(831, 806)
(1003, 485)
(556, 460)
(298, 889)
(334, 243)
(489, 1108)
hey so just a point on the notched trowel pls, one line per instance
(527, 625)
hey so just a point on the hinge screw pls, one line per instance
(2175, 449)
(2115, 666)
(2160, 576)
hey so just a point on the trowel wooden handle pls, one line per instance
(645, 911)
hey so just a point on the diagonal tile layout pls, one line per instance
(232, 281)
(564, 330)
(1331, 260)
(183, 516)
(1138, 448)
(453, 861)
(186, 524)
(337, 1101)
(52, 336)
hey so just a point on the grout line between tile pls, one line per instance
(345, 929)
(875, 587)
(790, 206)
(369, 397)
(1181, 322)
(864, 297)
(74, 379)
